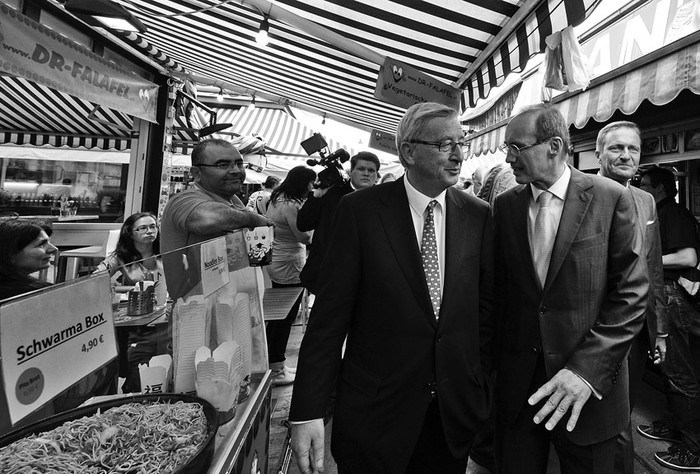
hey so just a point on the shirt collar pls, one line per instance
(558, 188)
(419, 201)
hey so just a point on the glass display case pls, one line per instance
(151, 340)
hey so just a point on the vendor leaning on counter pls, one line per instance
(207, 210)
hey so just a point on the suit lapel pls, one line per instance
(395, 216)
(578, 199)
(521, 236)
(457, 229)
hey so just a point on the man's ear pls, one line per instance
(194, 171)
(556, 144)
(597, 155)
(407, 153)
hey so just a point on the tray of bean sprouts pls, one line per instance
(157, 433)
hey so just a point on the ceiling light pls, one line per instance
(251, 106)
(262, 38)
(220, 95)
(106, 13)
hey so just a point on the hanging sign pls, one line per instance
(402, 85)
(383, 141)
(37, 53)
(50, 341)
(214, 265)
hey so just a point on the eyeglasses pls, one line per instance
(515, 150)
(144, 228)
(445, 146)
(225, 165)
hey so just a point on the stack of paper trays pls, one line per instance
(189, 334)
(241, 330)
(219, 375)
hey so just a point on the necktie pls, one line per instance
(429, 256)
(543, 236)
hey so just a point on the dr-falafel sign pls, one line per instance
(39, 54)
(403, 85)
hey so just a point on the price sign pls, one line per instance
(51, 340)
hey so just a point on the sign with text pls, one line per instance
(403, 85)
(37, 53)
(214, 265)
(653, 25)
(383, 141)
(50, 341)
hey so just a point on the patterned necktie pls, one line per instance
(543, 237)
(429, 256)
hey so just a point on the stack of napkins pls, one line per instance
(219, 375)
(242, 330)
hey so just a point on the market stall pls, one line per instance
(217, 323)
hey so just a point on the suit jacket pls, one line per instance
(591, 307)
(318, 214)
(655, 314)
(398, 357)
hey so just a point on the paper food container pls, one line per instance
(156, 373)
(218, 377)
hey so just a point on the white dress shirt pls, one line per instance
(418, 203)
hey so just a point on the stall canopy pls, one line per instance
(329, 61)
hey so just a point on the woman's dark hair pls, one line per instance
(126, 251)
(15, 234)
(295, 186)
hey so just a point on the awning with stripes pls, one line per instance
(657, 79)
(472, 44)
(33, 114)
(281, 132)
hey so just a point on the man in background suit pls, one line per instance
(574, 291)
(318, 212)
(410, 285)
(618, 149)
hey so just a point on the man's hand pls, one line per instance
(320, 192)
(659, 355)
(566, 390)
(308, 445)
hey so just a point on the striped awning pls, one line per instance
(33, 114)
(658, 80)
(472, 44)
(280, 131)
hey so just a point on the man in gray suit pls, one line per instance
(573, 291)
(618, 150)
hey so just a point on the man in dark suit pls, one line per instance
(410, 286)
(618, 149)
(574, 291)
(318, 212)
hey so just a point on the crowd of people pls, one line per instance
(422, 364)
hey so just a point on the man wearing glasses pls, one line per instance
(410, 285)
(208, 209)
(573, 294)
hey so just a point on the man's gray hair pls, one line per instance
(413, 122)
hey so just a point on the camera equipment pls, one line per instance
(331, 175)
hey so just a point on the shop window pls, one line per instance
(37, 187)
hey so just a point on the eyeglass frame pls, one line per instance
(230, 165)
(515, 150)
(144, 228)
(461, 143)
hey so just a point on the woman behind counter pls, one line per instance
(136, 253)
(136, 257)
(25, 248)
(288, 259)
